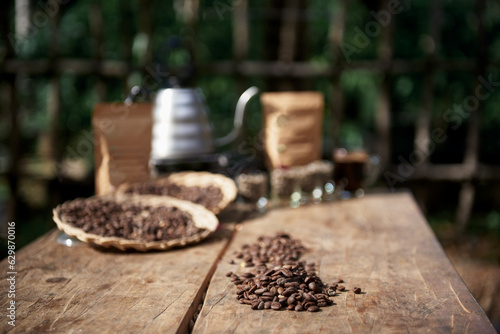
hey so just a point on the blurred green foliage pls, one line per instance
(213, 42)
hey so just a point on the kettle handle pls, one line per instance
(135, 92)
(239, 116)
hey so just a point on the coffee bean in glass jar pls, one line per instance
(301, 180)
(252, 186)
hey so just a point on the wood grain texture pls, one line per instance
(380, 243)
(89, 290)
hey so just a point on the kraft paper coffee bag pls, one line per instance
(293, 127)
(122, 143)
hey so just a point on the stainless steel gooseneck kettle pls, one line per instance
(181, 128)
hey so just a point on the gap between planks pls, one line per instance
(199, 297)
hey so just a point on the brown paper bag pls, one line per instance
(122, 143)
(293, 127)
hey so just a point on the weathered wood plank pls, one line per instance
(89, 290)
(380, 243)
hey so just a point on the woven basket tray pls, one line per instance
(202, 218)
(198, 179)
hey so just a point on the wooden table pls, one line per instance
(380, 243)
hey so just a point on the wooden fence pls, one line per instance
(285, 71)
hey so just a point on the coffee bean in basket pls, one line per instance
(132, 221)
(213, 191)
(209, 196)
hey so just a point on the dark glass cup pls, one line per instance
(354, 171)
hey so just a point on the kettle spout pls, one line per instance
(239, 116)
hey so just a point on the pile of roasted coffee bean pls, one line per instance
(278, 280)
(275, 250)
(209, 196)
(106, 217)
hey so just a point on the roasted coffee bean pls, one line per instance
(313, 308)
(275, 306)
(277, 281)
(229, 273)
(287, 272)
(340, 280)
(281, 281)
(133, 221)
(231, 261)
(356, 290)
(269, 272)
(340, 288)
(292, 285)
(273, 250)
(307, 296)
(209, 197)
(307, 305)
